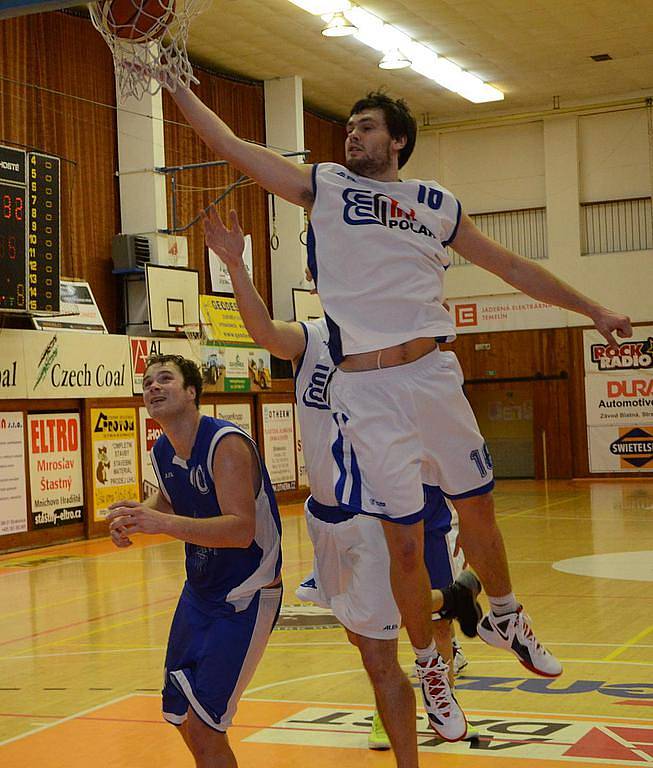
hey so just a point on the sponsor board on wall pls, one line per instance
(505, 312)
(302, 474)
(79, 311)
(619, 398)
(634, 354)
(226, 327)
(621, 448)
(238, 413)
(220, 279)
(62, 365)
(114, 456)
(55, 461)
(13, 383)
(279, 445)
(141, 347)
(13, 491)
(619, 401)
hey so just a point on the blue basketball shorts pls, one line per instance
(213, 652)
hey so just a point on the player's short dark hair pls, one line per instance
(188, 368)
(398, 118)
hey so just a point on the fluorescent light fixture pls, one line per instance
(339, 26)
(385, 38)
(394, 59)
(322, 7)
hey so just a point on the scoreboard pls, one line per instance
(30, 231)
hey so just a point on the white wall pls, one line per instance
(555, 162)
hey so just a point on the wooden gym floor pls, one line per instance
(83, 628)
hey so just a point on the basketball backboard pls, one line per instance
(11, 8)
(172, 297)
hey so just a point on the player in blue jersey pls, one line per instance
(378, 252)
(351, 562)
(215, 495)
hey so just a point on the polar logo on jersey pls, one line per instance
(314, 394)
(365, 207)
(198, 481)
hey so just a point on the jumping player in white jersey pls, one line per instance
(351, 562)
(378, 254)
(215, 495)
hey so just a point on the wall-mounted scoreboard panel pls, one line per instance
(30, 231)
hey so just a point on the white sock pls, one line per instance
(504, 604)
(424, 654)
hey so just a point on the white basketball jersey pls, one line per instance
(315, 420)
(377, 251)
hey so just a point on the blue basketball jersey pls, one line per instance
(219, 574)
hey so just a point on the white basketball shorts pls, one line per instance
(351, 566)
(401, 426)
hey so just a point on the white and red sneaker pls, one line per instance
(446, 717)
(513, 632)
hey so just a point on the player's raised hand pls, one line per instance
(227, 242)
(608, 322)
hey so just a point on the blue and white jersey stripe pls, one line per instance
(219, 574)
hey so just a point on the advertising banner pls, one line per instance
(619, 398)
(115, 460)
(506, 312)
(62, 365)
(13, 493)
(238, 413)
(619, 401)
(220, 279)
(13, 384)
(235, 369)
(226, 327)
(79, 312)
(621, 448)
(142, 347)
(634, 354)
(55, 469)
(279, 445)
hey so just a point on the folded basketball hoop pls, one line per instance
(147, 39)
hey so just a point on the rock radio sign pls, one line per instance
(619, 402)
(115, 465)
(55, 460)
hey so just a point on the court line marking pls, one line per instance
(86, 621)
(476, 712)
(74, 716)
(628, 644)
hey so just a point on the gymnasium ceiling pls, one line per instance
(533, 50)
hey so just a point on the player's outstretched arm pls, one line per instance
(271, 170)
(283, 339)
(535, 281)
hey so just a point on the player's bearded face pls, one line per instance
(372, 161)
(368, 147)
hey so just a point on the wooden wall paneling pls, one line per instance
(241, 106)
(578, 419)
(58, 96)
(325, 138)
(551, 416)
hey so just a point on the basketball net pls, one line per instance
(199, 335)
(146, 64)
